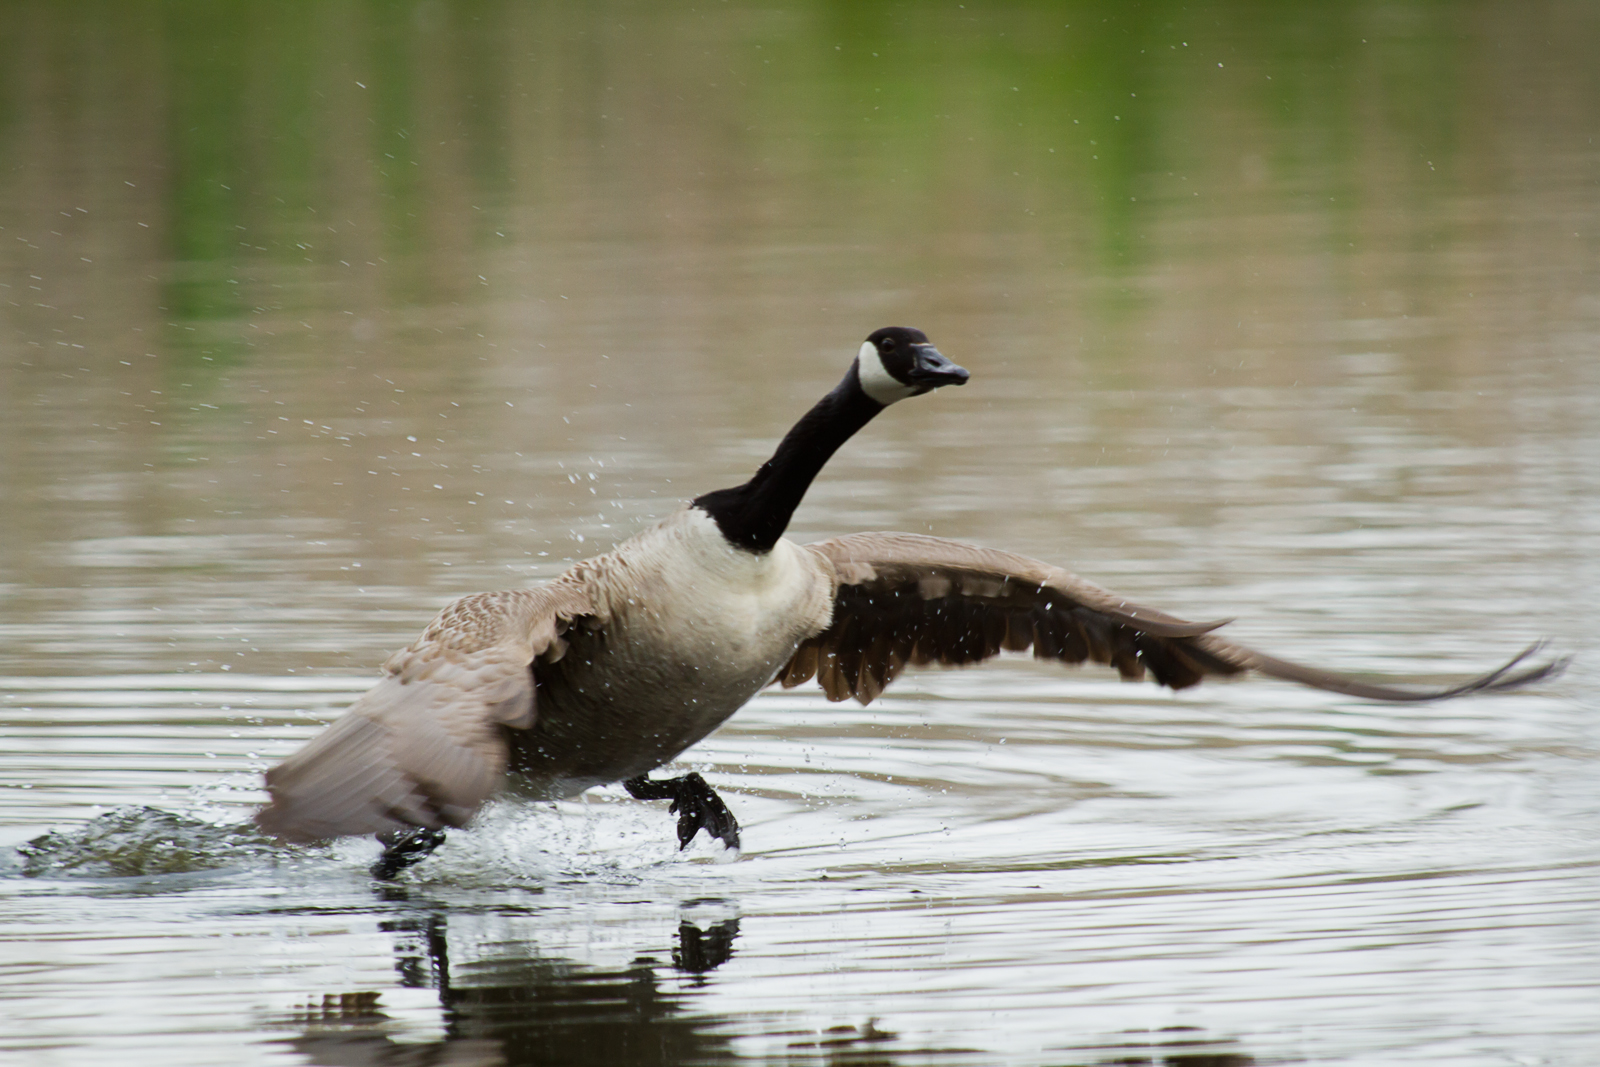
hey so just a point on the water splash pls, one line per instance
(137, 840)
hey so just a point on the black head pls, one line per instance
(897, 361)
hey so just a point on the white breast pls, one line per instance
(680, 592)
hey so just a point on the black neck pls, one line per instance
(754, 515)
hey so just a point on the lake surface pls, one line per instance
(315, 317)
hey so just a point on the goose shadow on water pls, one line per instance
(532, 1009)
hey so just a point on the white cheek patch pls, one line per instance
(876, 381)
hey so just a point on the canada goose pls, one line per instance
(628, 658)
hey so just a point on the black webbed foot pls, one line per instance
(697, 804)
(402, 848)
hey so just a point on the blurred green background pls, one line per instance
(294, 267)
(287, 158)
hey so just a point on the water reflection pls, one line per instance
(702, 951)
(515, 1010)
(503, 1005)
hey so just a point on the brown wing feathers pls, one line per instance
(882, 626)
(424, 747)
(910, 599)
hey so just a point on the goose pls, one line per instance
(626, 659)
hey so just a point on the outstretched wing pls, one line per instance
(424, 747)
(909, 599)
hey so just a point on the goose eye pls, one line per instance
(888, 342)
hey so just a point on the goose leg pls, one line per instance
(402, 848)
(697, 804)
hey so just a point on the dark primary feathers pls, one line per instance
(906, 599)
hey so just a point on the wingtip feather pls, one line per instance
(1500, 680)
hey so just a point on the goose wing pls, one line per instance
(906, 599)
(424, 747)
